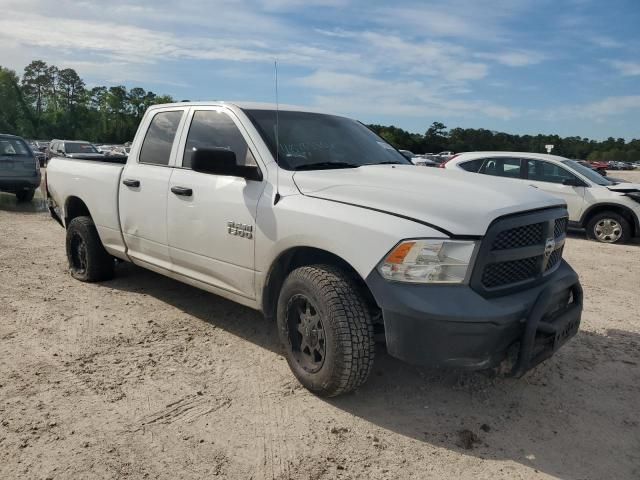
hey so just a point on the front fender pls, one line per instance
(359, 236)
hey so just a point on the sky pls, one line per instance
(570, 67)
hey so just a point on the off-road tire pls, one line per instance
(347, 325)
(624, 224)
(25, 195)
(97, 264)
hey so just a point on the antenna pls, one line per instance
(276, 199)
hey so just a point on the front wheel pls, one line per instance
(609, 227)
(326, 330)
(88, 260)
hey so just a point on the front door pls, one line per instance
(212, 218)
(549, 178)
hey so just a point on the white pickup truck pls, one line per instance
(317, 222)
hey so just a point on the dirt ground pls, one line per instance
(144, 377)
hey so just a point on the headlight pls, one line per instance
(428, 261)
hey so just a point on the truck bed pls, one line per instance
(96, 182)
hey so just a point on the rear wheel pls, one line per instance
(326, 330)
(25, 195)
(609, 227)
(88, 260)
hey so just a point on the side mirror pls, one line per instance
(572, 182)
(220, 161)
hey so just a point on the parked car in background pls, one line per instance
(19, 168)
(408, 154)
(609, 211)
(423, 161)
(419, 160)
(120, 150)
(104, 148)
(331, 232)
(590, 166)
(601, 167)
(37, 152)
(73, 149)
(620, 166)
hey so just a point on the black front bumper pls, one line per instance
(453, 326)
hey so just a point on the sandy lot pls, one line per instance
(143, 377)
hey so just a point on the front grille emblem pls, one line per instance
(549, 247)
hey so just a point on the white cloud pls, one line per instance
(352, 93)
(517, 58)
(605, 42)
(599, 110)
(626, 68)
(609, 106)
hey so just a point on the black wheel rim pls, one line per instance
(78, 254)
(306, 333)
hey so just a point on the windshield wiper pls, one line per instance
(326, 165)
(389, 162)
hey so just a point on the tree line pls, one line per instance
(50, 102)
(438, 138)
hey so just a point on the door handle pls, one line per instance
(183, 191)
(534, 186)
(129, 182)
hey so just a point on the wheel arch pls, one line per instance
(622, 210)
(75, 207)
(300, 256)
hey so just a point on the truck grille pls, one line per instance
(519, 237)
(519, 251)
(513, 271)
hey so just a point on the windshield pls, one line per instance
(14, 147)
(71, 147)
(313, 141)
(595, 177)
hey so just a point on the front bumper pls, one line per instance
(453, 326)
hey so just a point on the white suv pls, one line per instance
(608, 210)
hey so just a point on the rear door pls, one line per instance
(549, 177)
(144, 187)
(212, 218)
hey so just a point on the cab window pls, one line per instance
(156, 148)
(502, 167)
(215, 129)
(541, 171)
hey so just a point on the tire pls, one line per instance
(88, 260)
(336, 354)
(25, 195)
(609, 227)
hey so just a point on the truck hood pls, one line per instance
(458, 203)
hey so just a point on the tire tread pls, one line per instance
(353, 326)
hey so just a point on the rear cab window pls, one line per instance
(158, 141)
